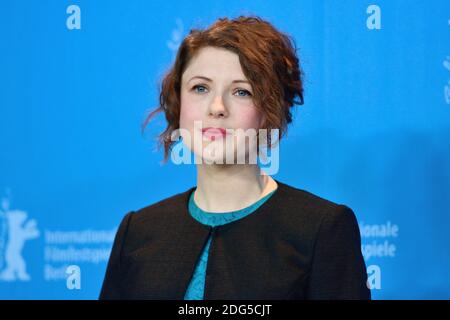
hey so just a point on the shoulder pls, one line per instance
(153, 221)
(306, 199)
(311, 212)
(305, 202)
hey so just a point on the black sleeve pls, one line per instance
(338, 270)
(111, 282)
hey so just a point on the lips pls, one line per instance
(214, 133)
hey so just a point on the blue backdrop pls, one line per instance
(78, 77)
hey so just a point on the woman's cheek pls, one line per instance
(249, 119)
(188, 115)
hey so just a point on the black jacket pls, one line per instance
(295, 246)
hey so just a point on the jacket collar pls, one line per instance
(266, 208)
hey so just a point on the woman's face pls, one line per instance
(215, 92)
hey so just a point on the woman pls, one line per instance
(238, 234)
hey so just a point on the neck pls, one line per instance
(224, 188)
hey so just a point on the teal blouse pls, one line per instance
(196, 287)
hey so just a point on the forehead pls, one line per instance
(214, 62)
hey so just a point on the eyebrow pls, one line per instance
(207, 79)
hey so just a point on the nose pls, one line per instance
(217, 108)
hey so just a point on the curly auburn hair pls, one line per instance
(268, 59)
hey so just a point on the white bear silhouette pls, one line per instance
(17, 235)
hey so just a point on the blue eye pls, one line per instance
(197, 86)
(246, 91)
